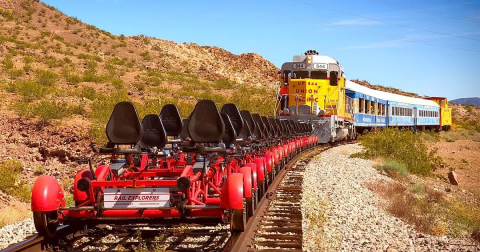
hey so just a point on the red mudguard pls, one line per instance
(254, 174)
(232, 192)
(77, 194)
(260, 162)
(269, 160)
(47, 195)
(247, 180)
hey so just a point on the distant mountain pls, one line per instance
(475, 101)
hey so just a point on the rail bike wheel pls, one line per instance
(46, 223)
(238, 218)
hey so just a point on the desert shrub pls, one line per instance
(118, 84)
(8, 62)
(402, 146)
(393, 168)
(10, 181)
(16, 73)
(223, 84)
(139, 86)
(146, 55)
(88, 92)
(47, 110)
(41, 169)
(89, 57)
(73, 79)
(7, 14)
(91, 76)
(429, 136)
(29, 90)
(47, 78)
(457, 134)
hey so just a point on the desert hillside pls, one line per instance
(60, 78)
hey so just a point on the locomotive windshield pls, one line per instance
(320, 75)
(300, 75)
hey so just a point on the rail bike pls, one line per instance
(212, 167)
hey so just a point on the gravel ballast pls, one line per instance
(16, 232)
(339, 214)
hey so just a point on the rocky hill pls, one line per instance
(60, 78)
(475, 101)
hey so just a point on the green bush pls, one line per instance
(402, 146)
(430, 136)
(10, 181)
(47, 110)
(89, 93)
(46, 78)
(223, 84)
(29, 90)
(393, 168)
(139, 86)
(118, 84)
(8, 62)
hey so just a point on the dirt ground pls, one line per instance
(463, 157)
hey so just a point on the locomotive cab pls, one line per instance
(312, 85)
(313, 89)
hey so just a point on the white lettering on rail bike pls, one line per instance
(136, 198)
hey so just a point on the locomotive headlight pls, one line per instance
(309, 59)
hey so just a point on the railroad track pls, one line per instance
(276, 225)
(277, 222)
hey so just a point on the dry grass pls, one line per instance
(428, 209)
(12, 214)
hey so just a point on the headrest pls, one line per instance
(274, 126)
(259, 132)
(171, 119)
(286, 130)
(206, 125)
(124, 126)
(230, 135)
(249, 121)
(267, 126)
(184, 133)
(290, 125)
(154, 134)
(279, 126)
(235, 117)
(261, 128)
(245, 131)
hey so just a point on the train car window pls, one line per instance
(372, 108)
(361, 105)
(384, 112)
(300, 75)
(320, 75)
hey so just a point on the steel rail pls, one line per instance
(38, 242)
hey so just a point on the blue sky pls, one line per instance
(429, 47)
